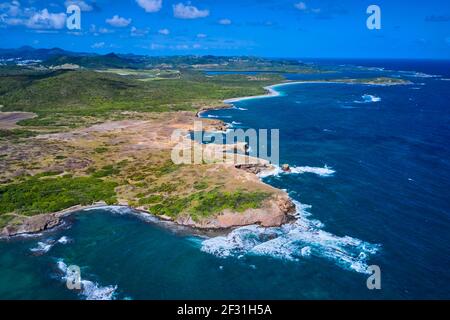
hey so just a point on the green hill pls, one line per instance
(94, 62)
(67, 98)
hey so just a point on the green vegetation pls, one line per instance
(207, 204)
(48, 174)
(101, 149)
(34, 195)
(166, 168)
(15, 134)
(146, 74)
(215, 201)
(117, 87)
(166, 188)
(106, 171)
(200, 185)
(113, 61)
(5, 219)
(151, 199)
(73, 98)
(110, 60)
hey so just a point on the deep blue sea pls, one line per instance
(371, 180)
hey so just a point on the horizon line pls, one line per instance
(233, 55)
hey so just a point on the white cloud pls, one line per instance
(12, 8)
(82, 4)
(181, 47)
(46, 20)
(303, 7)
(164, 31)
(196, 46)
(156, 46)
(104, 30)
(150, 5)
(12, 14)
(225, 21)
(300, 6)
(117, 21)
(201, 35)
(183, 11)
(135, 32)
(12, 21)
(98, 45)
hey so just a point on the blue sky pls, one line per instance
(273, 28)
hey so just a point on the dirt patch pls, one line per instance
(8, 120)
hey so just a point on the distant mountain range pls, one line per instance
(56, 57)
(110, 60)
(30, 53)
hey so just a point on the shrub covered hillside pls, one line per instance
(70, 98)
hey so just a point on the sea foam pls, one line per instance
(295, 241)
(43, 247)
(238, 108)
(277, 171)
(415, 74)
(89, 290)
(368, 98)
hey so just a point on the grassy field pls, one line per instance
(75, 98)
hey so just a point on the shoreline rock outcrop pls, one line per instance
(33, 224)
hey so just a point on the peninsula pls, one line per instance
(76, 131)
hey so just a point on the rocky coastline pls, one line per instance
(278, 209)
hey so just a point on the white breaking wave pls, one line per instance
(63, 240)
(42, 247)
(45, 246)
(293, 242)
(125, 210)
(89, 290)
(321, 171)
(422, 75)
(238, 108)
(92, 291)
(113, 209)
(368, 98)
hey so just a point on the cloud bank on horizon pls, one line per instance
(285, 28)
